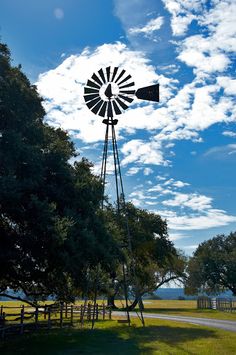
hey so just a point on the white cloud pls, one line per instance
(160, 178)
(142, 152)
(177, 236)
(170, 183)
(157, 188)
(220, 20)
(229, 134)
(213, 218)
(220, 152)
(186, 211)
(150, 203)
(210, 52)
(183, 12)
(131, 13)
(210, 218)
(193, 201)
(192, 55)
(194, 108)
(180, 184)
(180, 24)
(152, 26)
(228, 84)
(133, 171)
(147, 171)
(141, 196)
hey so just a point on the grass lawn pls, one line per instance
(110, 337)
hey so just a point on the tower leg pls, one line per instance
(121, 205)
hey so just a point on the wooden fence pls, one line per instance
(23, 319)
(221, 304)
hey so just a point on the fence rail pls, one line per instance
(221, 304)
(29, 318)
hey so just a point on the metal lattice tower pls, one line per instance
(109, 92)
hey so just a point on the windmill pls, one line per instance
(108, 93)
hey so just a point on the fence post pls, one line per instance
(49, 317)
(71, 314)
(3, 321)
(61, 314)
(22, 314)
(36, 317)
(45, 312)
(110, 313)
(66, 313)
(1, 310)
(81, 313)
(96, 311)
(103, 311)
(89, 312)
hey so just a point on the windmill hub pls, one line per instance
(109, 91)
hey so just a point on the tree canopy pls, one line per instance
(154, 257)
(212, 268)
(50, 232)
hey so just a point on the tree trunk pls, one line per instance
(111, 301)
(136, 302)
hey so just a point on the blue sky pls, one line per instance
(178, 157)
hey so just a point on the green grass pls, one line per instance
(158, 337)
(185, 308)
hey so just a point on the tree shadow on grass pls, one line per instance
(114, 340)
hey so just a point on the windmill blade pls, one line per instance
(108, 70)
(96, 108)
(90, 97)
(109, 110)
(149, 93)
(114, 73)
(96, 78)
(127, 85)
(93, 102)
(125, 79)
(121, 103)
(92, 84)
(102, 112)
(116, 108)
(120, 75)
(90, 90)
(102, 75)
(126, 98)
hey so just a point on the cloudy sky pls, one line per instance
(178, 156)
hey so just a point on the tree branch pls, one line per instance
(16, 298)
